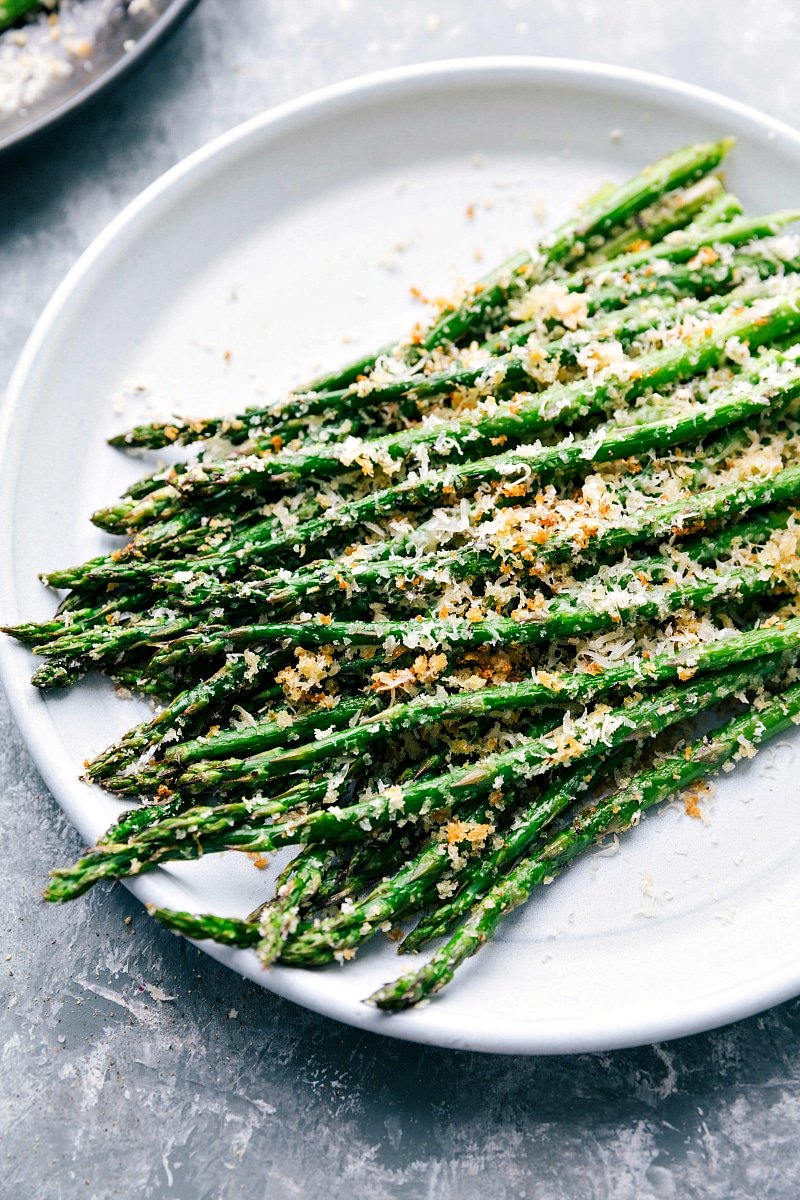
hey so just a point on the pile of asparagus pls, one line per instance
(450, 614)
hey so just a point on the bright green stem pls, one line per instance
(207, 830)
(228, 931)
(411, 886)
(180, 715)
(560, 688)
(522, 417)
(660, 520)
(615, 814)
(772, 387)
(555, 620)
(678, 169)
(675, 211)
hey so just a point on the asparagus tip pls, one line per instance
(396, 997)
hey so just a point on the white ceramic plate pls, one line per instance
(292, 242)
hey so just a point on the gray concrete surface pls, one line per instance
(133, 1066)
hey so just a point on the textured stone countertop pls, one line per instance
(134, 1066)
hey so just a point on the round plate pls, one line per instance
(46, 79)
(292, 242)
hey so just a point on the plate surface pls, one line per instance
(47, 71)
(293, 242)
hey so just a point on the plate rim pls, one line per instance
(44, 124)
(543, 1037)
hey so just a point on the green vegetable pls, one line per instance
(417, 619)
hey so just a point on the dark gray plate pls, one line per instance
(47, 71)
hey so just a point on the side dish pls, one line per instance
(450, 614)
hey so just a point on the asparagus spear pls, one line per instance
(674, 170)
(722, 208)
(228, 931)
(556, 619)
(413, 886)
(499, 375)
(366, 571)
(702, 550)
(111, 766)
(689, 242)
(390, 566)
(275, 729)
(209, 830)
(610, 209)
(131, 824)
(675, 211)
(391, 899)
(606, 212)
(558, 688)
(774, 387)
(754, 264)
(574, 236)
(266, 423)
(287, 418)
(318, 941)
(681, 281)
(516, 419)
(661, 520)
(182, 713)
(618, 812)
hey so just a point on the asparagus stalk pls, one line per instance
(556, 619)
(182, 713)
(208, 830)
(265, 735)
(483, 873)
(228, 931)
(387, 570)
(131, 824)
(287, 418)
(774, 386)
(250, 739)
(609, 209)
(499, 375)
(675, 211)
(377, 569)
(617, 813)
(521, 417)
(576, 235)
(547, 689)
(606, 212)
(673, 282)
(680, 281)
(689, 242)
(661, 520)
(266, 423)
(411, 887)
(111, 766)
(394, 897)
(674, 170)
(722, 208)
